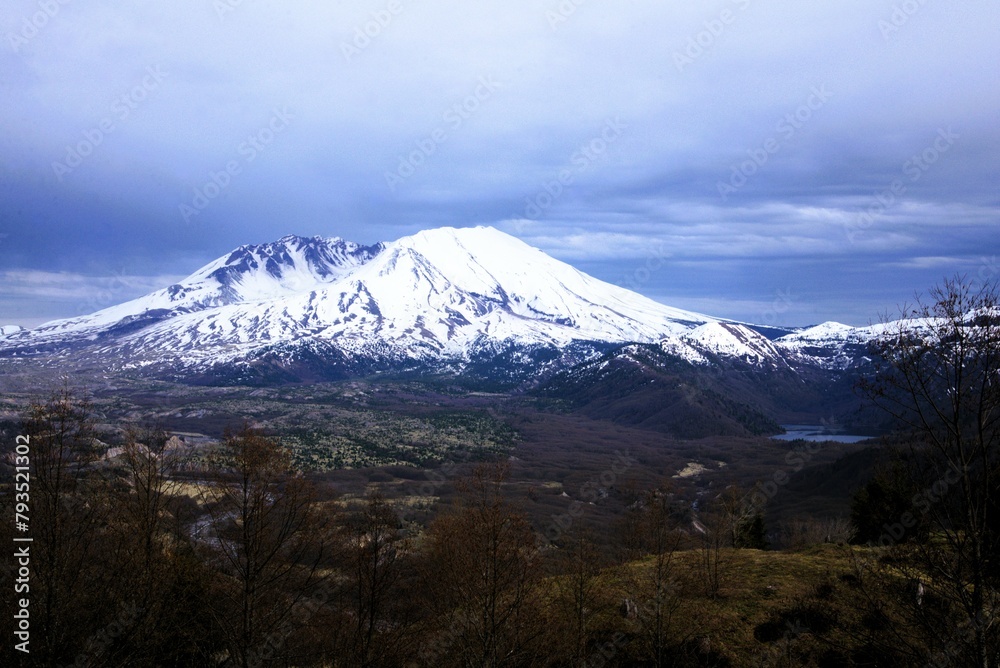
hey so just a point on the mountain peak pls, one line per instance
(826, 330)
(448, 295)
(481, 238)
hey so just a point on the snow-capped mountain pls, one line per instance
(447, 296)
(733, 340)
(250, 274)
(830, 345)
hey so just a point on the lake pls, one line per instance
(816, 432)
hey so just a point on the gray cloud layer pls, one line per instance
(724, 156)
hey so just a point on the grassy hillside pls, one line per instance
(774, 608)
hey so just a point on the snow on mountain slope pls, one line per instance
(443, 294)
(487, 261)
(830, 345)
(735, 341)
(825, 331)
(512, 289)
(6, 330)
(250, 273)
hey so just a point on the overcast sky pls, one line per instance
(780, 162)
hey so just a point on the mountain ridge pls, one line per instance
(447, 297)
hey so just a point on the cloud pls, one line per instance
(32, 297)
(723, 93)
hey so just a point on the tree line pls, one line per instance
(251, 564)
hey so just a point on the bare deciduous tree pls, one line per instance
(482, 578)
(938, 374)
(269, 543)
(374, 553)
(577, 599)
(713, 529)
(68, 516)
(653, 587)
